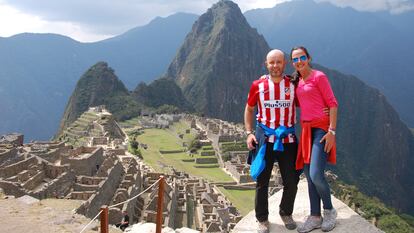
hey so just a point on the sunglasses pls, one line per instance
(302, 58)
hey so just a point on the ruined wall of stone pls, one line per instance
(84, 187)
(55, 154)
(87, 165)
(12, 188)
(206, 160)
(99, 141)
(88, 180)
(58, 187)
(53, 171)
(134, 190)
(7, 154)
(173, 206)
(15, 168)
(106, 191)
(117, 151)
(34, 181)
(82, 150)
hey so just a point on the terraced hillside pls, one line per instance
(94, 123)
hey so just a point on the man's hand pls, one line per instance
(251, 141)
(263, 77)
(329, 141)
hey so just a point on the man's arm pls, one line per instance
(248, 125)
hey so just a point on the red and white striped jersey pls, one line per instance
(275, 104)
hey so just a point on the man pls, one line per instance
(274, 97)
(125, 221)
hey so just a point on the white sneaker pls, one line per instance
(263, 227)
(329, 219)
(312, 222)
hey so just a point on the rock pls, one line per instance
(150, 228)
(347, 221)
(26, 199)
(186, 230)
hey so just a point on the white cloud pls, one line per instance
(97, 19)
(94, 20)
(394, 6)
(13, 21)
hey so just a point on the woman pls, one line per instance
(317, 144)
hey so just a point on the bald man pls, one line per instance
(274, 140)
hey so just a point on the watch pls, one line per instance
(249, 132)
(332, 132)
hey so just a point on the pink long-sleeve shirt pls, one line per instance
(314, 95)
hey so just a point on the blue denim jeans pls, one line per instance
(318, 187)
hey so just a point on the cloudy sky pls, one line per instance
(92, 20)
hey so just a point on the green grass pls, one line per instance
(129, 123)
(180, 128)
(157, 139)
(243, 200)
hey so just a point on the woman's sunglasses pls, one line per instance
(302, 58)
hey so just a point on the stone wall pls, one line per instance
(59, 187)
(99, 141)
(15, 168)
(83, 162)
(117, 151)
(6, 154)
(34, 181)
(84, 187)
(206, 160)
(12, 188)
(105, 194)
(53, 171)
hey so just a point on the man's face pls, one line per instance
(275, 63)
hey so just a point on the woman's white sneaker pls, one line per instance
(329, 219)
(312, 222)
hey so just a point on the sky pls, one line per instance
(93, 20)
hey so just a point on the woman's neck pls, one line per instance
(305, 73)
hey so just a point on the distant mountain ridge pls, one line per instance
(39, 71)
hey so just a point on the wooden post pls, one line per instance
(160, 205)
(104, 219)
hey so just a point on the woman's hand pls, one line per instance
(329, 141)
(251, 141)
(262, 77)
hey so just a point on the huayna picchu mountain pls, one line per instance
(218, 60)
(99, 86)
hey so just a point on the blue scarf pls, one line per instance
(259, 164)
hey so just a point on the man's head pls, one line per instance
(275, 63)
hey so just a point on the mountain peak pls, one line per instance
(97, 86)
(222, 50)
(221, 15)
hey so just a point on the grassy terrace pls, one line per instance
(160, 139)
(242, 199)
